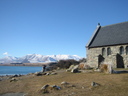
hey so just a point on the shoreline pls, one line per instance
(20, 65)
(27, 64)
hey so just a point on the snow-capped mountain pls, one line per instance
(37, 58)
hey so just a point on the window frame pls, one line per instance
(108, 51)
(103, 52)
(121, 50)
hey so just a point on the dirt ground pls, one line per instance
(79, 84)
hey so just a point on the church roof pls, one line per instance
(116, 34)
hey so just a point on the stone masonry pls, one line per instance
(95, 56)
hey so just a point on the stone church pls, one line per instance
(109, 44)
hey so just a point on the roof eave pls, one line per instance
(108, 45)
(93, 36)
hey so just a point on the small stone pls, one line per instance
(45, 86)
(94, 84)
(44, 89)
(38, 73)
(54, 87)
(13, 79)
(47, 73)
(83, 87)
(64, 83)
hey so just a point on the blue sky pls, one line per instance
(50, 27)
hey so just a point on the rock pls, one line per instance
(44, 73)
(94, 84)
(67, 85)
(70, 68)
(45, 88)
(15, 76)
(13, 79)
(48, 73)
(75, 69)
(54, 87)
(64, 83)
(38, 73)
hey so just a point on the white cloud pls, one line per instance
(5, 53)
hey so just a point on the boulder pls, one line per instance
(75, 69)
(70, 68)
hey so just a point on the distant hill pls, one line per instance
(37, 58)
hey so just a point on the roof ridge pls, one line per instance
(115, 24)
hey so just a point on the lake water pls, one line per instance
(23, 70)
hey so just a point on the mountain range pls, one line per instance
(37, 58)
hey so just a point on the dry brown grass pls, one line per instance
(111, 84)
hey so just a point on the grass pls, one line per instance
(111, 84)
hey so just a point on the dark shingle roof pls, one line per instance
(115, 34)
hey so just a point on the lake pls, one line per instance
(23, 70)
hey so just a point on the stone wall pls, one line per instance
(94, 54)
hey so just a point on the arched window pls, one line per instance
(103, 51)
(108, 51)
(121, 50)
(126, 50)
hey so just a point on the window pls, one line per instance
(103, 52)
(108, 51)
(121, 50)
(126, 50)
